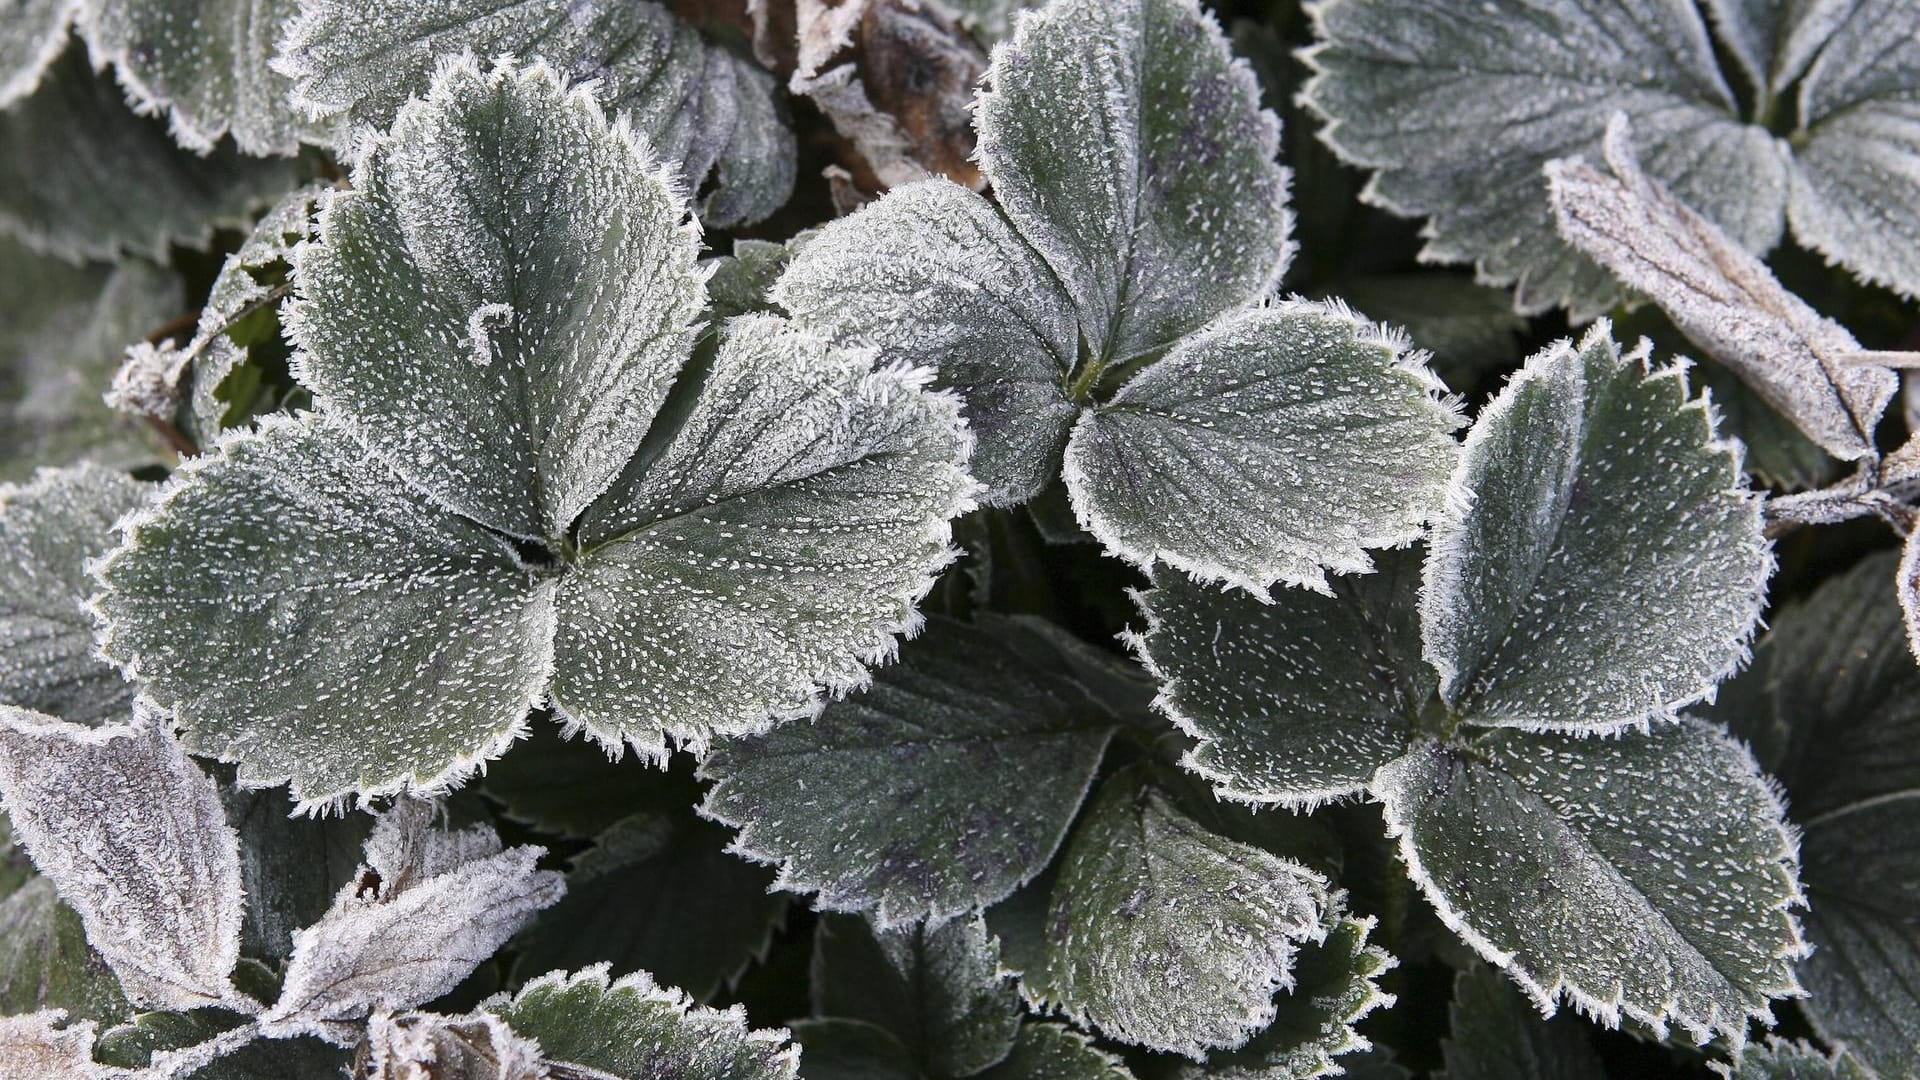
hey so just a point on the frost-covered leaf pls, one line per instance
(1158, 932)
(1602, 562)
(633, 1029)
(742, 283)
(44, 1044)
(1471, 329)
(1774, 41)
(204, 64)
(1298, 700)
(1721, 297)
(212, 1044)
(770, 546)
(49, 530)
(479, 1047)
(426, 908)
(440, 313)
(1779, 1059)
(1056, 1052)
(940, 992)
(82, 176)
(1276, 444)
(45, 961)
(933, 275)
(1833, 709)
(1778, 452)
(658, 893)
(344, 633)
(1497, 1034)
(1648, 876)
(1500, 87)
(133, 834)
(63, 329)
(290, 866)
(938, 790)
(697, 104)
(34, 34)
(1126, 144)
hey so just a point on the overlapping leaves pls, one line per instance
(1103, 320)
(464, 529)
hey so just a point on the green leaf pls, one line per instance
(1158, 932)
(50, 529)
(1778, 1059)
(1129, 147)
(939, 790)
(1778, 453)
(205, 64)
(742, 283)
(439, 316)
(940, 992)
(1601, 563)
(34, 36)
(82, 176)
(1471, 329)
(1298, 700)
(570, 788)
(1648, 876)
(1497, 1034)
(658, 893)
(63, 330)
(1512, 84)
(1277, 444)
(1833, 706)
(851, 1050)
(934, 275)
(635, 1030)
(348, 635)
(46, 963)
(290, 867)
(1056, 1052)
(137, 1044)
(697, 105)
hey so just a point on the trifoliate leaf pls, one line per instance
(1779, 1059)
(204, 63)
(81, 176)
(940, 992)
(480, 1047)
(1298, 700)
(632, 1029)
(1157, 932)
(1648, 876)
(771, 546)
(346, 633)
(851, 1050)
(658, 893)
(426, 908)
(934, 275)
(134, 835)
(1602, 562)
(45, 1044)
(290, 867)
(50, 529)
(1056, 1052)
(1512, 84)
(1721, 297)
(694, 102)
(440, 314)
(1129, 147)
(1276, 444)
(1834, 712)
(45, 961)
(33, 38)
(939, 790)
(1313, 1034)
(63, 329)
(1499, 1035)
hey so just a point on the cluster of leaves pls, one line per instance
(1009, 618)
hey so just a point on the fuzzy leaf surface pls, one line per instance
(50, 528)
(205, 63)
(1158, 932)
(633, 1029)
(1603, 562)
(134, 835)
(480, 1047)
(33, 38)
(427, 907)
(697, 105)
(938, 790)
(940, 992)
(1497, 1034)
(769, 547)
(1722, 297)
(1294, 701)
(328, 581)
(1648, 876)
(499, 306)
(1510, 85)
(1779, 1059)
(1129, 147)
(1276, 444)
(45, 1044)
